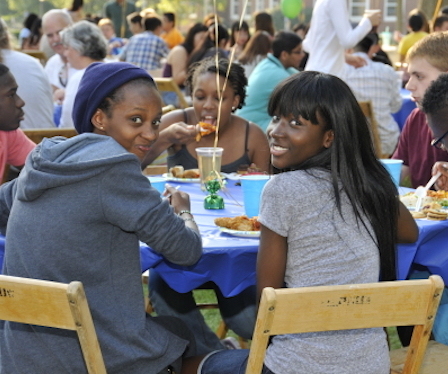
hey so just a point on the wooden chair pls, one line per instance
(36, 135)
(41, 56)
(52, 304)
(367, 109)
(168, 85)
(352, 306)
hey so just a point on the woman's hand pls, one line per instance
(178, 200)
(442, 182)
(373, 17)
(179, 133)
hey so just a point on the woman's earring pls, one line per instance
(233, 109)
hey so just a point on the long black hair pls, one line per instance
(188, 43)
(351, 159)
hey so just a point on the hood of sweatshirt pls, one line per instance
(60, 161)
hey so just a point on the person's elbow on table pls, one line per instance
(407, 229)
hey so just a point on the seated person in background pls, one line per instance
(14, 144)
(34, 86)
(322, 136)
(147, 49)
(135, 24)
(57, 68)
(281, 63)
(84, 44)
(427, 59)
(171, 34)
(440, 24)
(210, 47)
(114, 43)
(264, 22)
(176, 65)
(239, 37)
(416, 24)
(113, 207)
(435, 106)
(243, 142)
(257, 49)
(377, 82)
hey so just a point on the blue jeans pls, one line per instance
(238, 312)
(228, 362)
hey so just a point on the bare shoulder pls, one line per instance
(255, 131)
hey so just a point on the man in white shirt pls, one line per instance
(378, 83)
(331, 34)
(57, 68)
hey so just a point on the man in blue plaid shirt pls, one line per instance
(147, 49)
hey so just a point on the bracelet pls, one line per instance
(183, 212)
(189, 219)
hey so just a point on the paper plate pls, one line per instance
(241, 234)
(168, 177)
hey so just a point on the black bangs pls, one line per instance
(300, 95)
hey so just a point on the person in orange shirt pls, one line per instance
(171, 34)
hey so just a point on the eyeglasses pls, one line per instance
(438, 142)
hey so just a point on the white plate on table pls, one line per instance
(170, 178)
(241, 234)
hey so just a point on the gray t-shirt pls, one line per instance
(323, 249)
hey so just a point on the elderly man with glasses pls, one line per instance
(57, 67)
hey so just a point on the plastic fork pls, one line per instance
(421, 191)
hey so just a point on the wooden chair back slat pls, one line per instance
(52, 304)
(168, 85)
(354, 306)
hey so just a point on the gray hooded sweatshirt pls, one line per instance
(77, 212)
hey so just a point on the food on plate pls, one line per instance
(431, 214)
(436, 215)
(440, 197)
(240, 223)
(249, 169)
(417, 215)
(205, 129)
(179, 172)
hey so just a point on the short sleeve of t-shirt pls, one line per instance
(14, 148)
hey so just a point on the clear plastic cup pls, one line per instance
(209, 159)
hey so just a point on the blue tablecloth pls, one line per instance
(230, 261)
(407, 107)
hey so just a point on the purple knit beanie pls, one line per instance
(98, 81)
